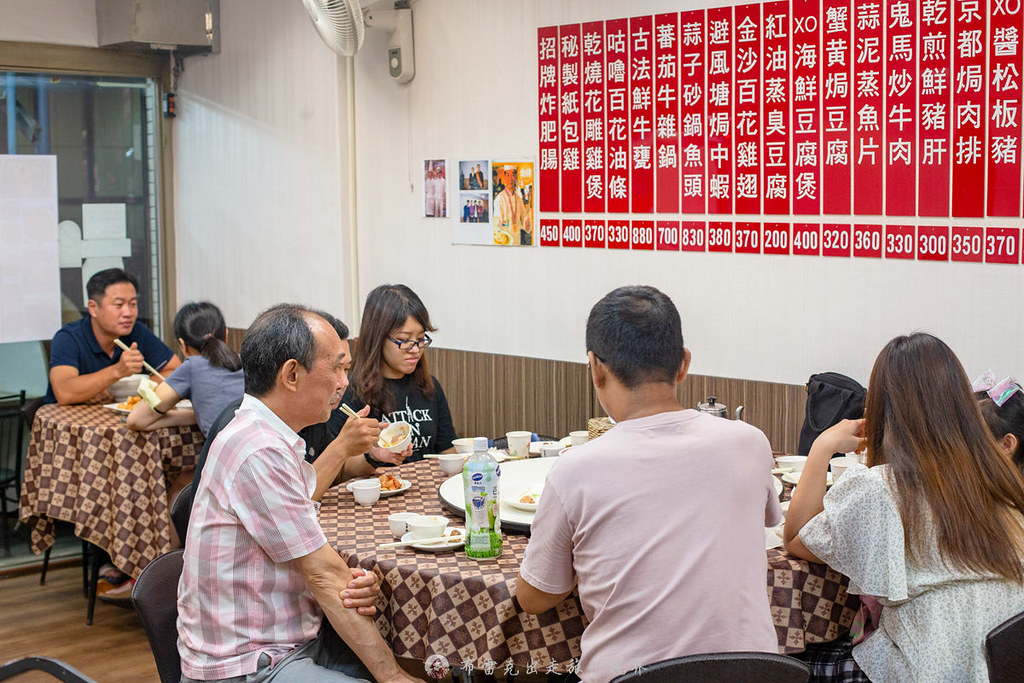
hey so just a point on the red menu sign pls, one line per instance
(900, 106)
(547, 79)
(593, 117)
(747, 107)
(666, 112)
(1004, 102)
(806, 107)
(570, 120)
(776, 108)
(641, 99)
(835, 96)
(867, 107)
(934, 120)
(968, 88)
(719, 109)
(692, 139)
(617, 107)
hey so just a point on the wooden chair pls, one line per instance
(155, 596)
(1004, 651)
(763, 667)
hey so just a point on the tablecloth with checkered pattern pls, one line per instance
(448, 604)
(86, 467)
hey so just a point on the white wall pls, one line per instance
(60, 22)
(259, 144)
(755, 317)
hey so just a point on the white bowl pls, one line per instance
(126, 386)
(796, 462)
(399, 523)
(366, 491)
(395, 437)
(579, 438)
(451, 463)
(427, 526)
(463, 445)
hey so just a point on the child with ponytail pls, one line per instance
(211, 376)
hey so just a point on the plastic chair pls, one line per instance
(1004, 651)
(12, 440)
(155, 596)
(763, 667)
(181, 510)
(54, 667)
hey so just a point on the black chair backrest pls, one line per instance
(155, 596)
(763, 667)
(12, 440)
(54, 667)
(181, 510)
(1004, 650)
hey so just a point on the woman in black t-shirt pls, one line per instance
(389, 370)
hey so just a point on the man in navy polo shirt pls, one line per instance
(84, 361)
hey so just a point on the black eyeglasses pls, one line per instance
(410, 344)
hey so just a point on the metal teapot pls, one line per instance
(718, 409)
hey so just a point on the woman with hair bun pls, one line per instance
(211, 375)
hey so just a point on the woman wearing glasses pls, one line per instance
(389, 371)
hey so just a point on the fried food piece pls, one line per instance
(129, 402)
(389, 482)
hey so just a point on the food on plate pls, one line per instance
(530, 498)
(129, 402)
(453, 533)
(389, 482)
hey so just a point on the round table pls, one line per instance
(448, 604)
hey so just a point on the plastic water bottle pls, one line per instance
(481, 481)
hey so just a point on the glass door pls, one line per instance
(104, 132)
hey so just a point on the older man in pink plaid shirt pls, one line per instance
(258, 569)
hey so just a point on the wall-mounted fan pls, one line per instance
(341, 24)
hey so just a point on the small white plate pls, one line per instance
(406, 485)
(772, 537)
(519, 505)
(778, 486)
(565, 441)
(440, 546)
(116, 407)
(794, 478)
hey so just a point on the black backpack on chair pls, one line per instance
(831, 397)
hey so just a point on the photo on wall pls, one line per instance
(435, 189)
(473, 174)
(512, 202)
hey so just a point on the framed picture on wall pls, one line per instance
(435, 189)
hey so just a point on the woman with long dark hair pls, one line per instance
(932, 527)
(390, 373)
(211, 375)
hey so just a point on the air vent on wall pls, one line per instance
(185, 26)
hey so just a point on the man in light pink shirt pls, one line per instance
(258, 573)
(660, 521)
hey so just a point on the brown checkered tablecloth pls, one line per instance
(450, 605)
(86, 467)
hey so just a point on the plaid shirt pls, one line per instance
(253, 512)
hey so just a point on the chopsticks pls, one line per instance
(152, 370)
(348, 411)
(419, 541)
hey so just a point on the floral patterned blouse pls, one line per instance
(934, 618)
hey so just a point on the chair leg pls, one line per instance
(94, 565)
(85, 568)
(46, 565)
(3, 526)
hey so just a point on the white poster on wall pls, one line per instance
(29, 260)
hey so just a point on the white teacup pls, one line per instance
(366, 491)
(796, 462)
(579, 438)
(399, 523)
(451, 463)
(518, 444)
(463, 445)
(550, 450)
(838, 466)
(427, 526)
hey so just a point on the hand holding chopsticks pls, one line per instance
(152, 370)
(348, 411)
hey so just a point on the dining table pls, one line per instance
(445, 604)
(85, 466)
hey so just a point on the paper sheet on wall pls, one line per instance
(29, 267)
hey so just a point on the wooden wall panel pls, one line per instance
(490, 394)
